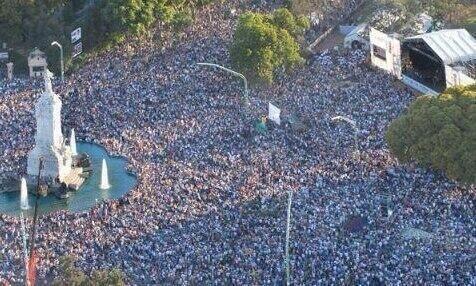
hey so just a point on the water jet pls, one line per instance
(24, 195)
(104, 176)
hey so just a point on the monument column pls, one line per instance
(49, 141)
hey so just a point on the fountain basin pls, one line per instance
(88, 195)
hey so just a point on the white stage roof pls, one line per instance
(451, 46)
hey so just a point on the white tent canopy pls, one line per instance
(451, 46)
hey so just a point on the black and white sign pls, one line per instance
(75, 35)
(77, 49)
(3, 55)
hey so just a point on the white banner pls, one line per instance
(274, 113)
(75, 35)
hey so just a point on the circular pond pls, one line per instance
(87, 196)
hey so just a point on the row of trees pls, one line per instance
(263, 44)
(439, 133)
(138, 15)
(25, 24)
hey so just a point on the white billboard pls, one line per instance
(385, 52)
(75, 35)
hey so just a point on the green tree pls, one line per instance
(262, 43)
(112, 277)
(163, 11)
(284, 19)
(124, 15)
(440, 133)
(70, 275)
(445, 9)
(11, 18)
(25, 24)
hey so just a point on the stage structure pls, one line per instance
(430, 62)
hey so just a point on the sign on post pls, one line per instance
(77, 49)
(274, 113)
(75, 35)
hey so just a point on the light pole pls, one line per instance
(288, 225)
(353, 125)
(25, 248)
(55, 43)
(246, 96)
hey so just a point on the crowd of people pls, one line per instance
(210, 203)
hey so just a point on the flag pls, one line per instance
(274, 113)
(31, 276)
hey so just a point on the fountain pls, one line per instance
(24, 195)
(86, 197)
(72, 143)
(104, 176)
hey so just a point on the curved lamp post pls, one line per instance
(353, 125)
(288, 226)
(237, 74)
(55, 43)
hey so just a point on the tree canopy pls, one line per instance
(440, 133)
(25, 24)
(264, 42)
(69, 275)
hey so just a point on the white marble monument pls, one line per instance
(49, 141)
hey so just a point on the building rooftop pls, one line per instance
(451, 46)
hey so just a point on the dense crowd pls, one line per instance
(210, 203)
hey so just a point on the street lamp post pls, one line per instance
(288, 226)
(246, 96)
(353, 125)
(61, 56)
(25, 248)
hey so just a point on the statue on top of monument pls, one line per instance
(47, 76)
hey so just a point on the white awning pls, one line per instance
(451, 46)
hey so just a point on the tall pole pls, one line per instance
(35, 216)
(61, 57)
(288, 225)
(237, 74)
(32, 257)
(25, 248)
